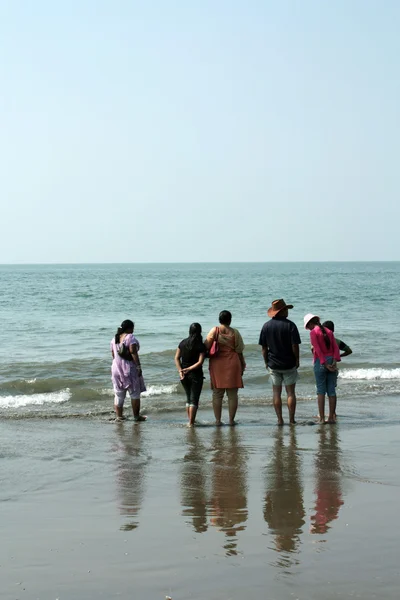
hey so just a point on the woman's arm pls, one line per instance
(208, 342)
(178, 363)
(239, 344)
(242, 361)
(134, 351)
(196, 365)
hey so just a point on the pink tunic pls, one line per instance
(319, 347)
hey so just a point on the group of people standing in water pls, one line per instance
(223, 346)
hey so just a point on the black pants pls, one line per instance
(193, 384)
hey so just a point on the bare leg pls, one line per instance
(192, 411)
(136, 410)
(119, 404)
(233, 404)
(321, 407)
(332, 409)
(217, 397)
(291, 401)
(188, 411)
(277, 396)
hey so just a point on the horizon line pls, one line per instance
(195, 262)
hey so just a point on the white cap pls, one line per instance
(308, 318)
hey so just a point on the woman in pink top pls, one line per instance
(326, 355)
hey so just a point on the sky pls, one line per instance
(188, 130)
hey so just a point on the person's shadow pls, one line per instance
(131, 464)
(194, 482)
(284, 508)
(228, 502)
(328, 487)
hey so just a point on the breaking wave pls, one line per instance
(160, 390)
(370, 374)
(35, 399)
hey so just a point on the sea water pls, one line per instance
(57, 322)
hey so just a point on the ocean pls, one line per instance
(58, 320)
(96, 509)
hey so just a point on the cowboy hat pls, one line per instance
(277, 306)
(308, 318)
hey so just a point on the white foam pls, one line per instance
(159, 390)
(152, 390)
(370, 374)
(35, 399)
(30, 380)
(106, 392)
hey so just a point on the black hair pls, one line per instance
(195, 336)
(326, 336)
(329, 325)
(125, 326)
(225, 317)
(317, 322)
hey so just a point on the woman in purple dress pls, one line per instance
(126, 372)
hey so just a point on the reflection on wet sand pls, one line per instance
(284, 508)
(131, 463)
(328, 487)
(194, 482)
(228, 503)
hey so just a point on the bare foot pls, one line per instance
(140, 418)
(232, 423)
(218, 423)
(190, 425)
(292, 422)
(281, 423)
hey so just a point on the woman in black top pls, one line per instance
(189, 360)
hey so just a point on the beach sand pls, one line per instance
(92, 509)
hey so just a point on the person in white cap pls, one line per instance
(280, 339)
(326, 354)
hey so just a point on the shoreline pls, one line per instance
(146, 510)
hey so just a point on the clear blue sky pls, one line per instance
(191, 130)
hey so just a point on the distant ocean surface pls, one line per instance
(57, 322)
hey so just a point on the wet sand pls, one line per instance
(91, 509)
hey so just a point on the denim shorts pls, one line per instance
(283, 376)
(325, 380)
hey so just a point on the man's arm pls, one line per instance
(346, 351)
(296, 341)
(264, 351)
(295, 348)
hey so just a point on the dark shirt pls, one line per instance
(342, 346)
(279, 334)
(190, 356)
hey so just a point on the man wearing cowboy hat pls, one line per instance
(280, 341)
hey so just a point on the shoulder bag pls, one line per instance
(214, 346)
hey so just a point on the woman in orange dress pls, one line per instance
(227, 366)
